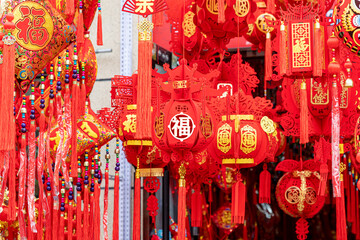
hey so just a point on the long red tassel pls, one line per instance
(61, 227)
(264, 185)
(318, 50)
(106, 204)
(80, 28)
(82, 98)
(70, 8)
(324, 172)
(221, 11)
(268, 57)
(158, 19)
(48, 227)
(354, 229)
(12, 187)
(86, 211)
(137, 206)
(196, 208)
(55, 221)
(304, 113)
(7, 121)
(282, 51)
(351, 198)
(31, 177)
(22, 179)
(74, 116)
(70, 220)
(91, 232)
(341, 233)
(245, 233)
(78, 217)
(238, 202)
(97, 211)
(182, 209)
(143, 128)
(99, 30)
(335, 138)
(116, 208)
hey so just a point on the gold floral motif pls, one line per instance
(224, 138)
(310, 196)
(189, 28)
(292, 194)
(241, 7)
(248, 139)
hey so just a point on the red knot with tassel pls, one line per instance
(238, 202)
(182, 202)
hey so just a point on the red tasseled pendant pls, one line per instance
(82, 103)
(31, 176)
(182, 209)
(351, 200)
(143, 126)
(106, 204)
(40, 218)
(341, 233)
(86, 211)
(282, 51)
(318, 50)
(70, 218)
(238, 202)
(158, 19)
(324, 172)
(91, 231)
(354, 229)
(80, 28)
(21, 192)
(70, 7)
(302, 229)
(196, 208)
(97, 211)
(99, 30)
(137, 206)
(78, 217)
(221, 11)
(12, 187)
(74, 116)
(264, 185)
(116, 208)
(256, 233)
(304, 113)
(268, 57)
(7, 121)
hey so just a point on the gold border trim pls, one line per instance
(240, 117)
(238, 161)
(151, 172)
(138, 143)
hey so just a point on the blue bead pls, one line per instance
(23, 125)
(48, 183)
(32, 116)
(51, 91)
(86, 177)
(23, 130)
(78, 189)
(58, 88)
(91, 189)
(42, 106)
(58, 83)
(74, 76)
(71, 192)
(67, 75)
(71, 197)
(42, 101)
(92, 184)
(86, 182)
(99, 181)
(78, 184)
(96, 170)
(51, 95)
(74, 71)
(67, 80)
(62, 209)
(33, 111)
(62, 204)
(117, 169)
(96, 175)
(48, 188)
(118, 164)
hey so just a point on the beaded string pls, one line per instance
(107, 157)
(92, 172)
(78, 184)
(117, 152)
(42, 87)
(86, 165)
(97, 174)
(62, 203)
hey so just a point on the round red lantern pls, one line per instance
(243, 142)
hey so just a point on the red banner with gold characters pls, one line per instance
(301, 46)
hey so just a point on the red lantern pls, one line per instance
(296, 192)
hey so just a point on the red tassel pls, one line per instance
(70, 220)
(99, 30)
(196, 208)
(80, 29)
(22, 180)
(48, 228)
(69, 8)
(143, 126)
(352, 202)
(304, 112)
(55, 221)
(7, 121)
(210, 193)
(12, 187)
(116, 208)
(256, 234)
(31, 177)
(106, 203)
(78, 217)
(268, 57)
(86, 212)
(324, 172)
(341, 233)
(182, 209)
(245, 234)
(221, 11)
(264, 185)
(74, 116)
(158, 19)
(61, 227)
(5, 167)
(348, 198)
(282, 50)
(354, 207)
(238, 202)
(302, 229)
(97, 211)
(82, 96)
(270, 6)
(318, 50)
(137, 206)
(91, 231)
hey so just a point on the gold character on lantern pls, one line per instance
(248, 139)
(224, 138)
(130, 123)
(159, 126)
